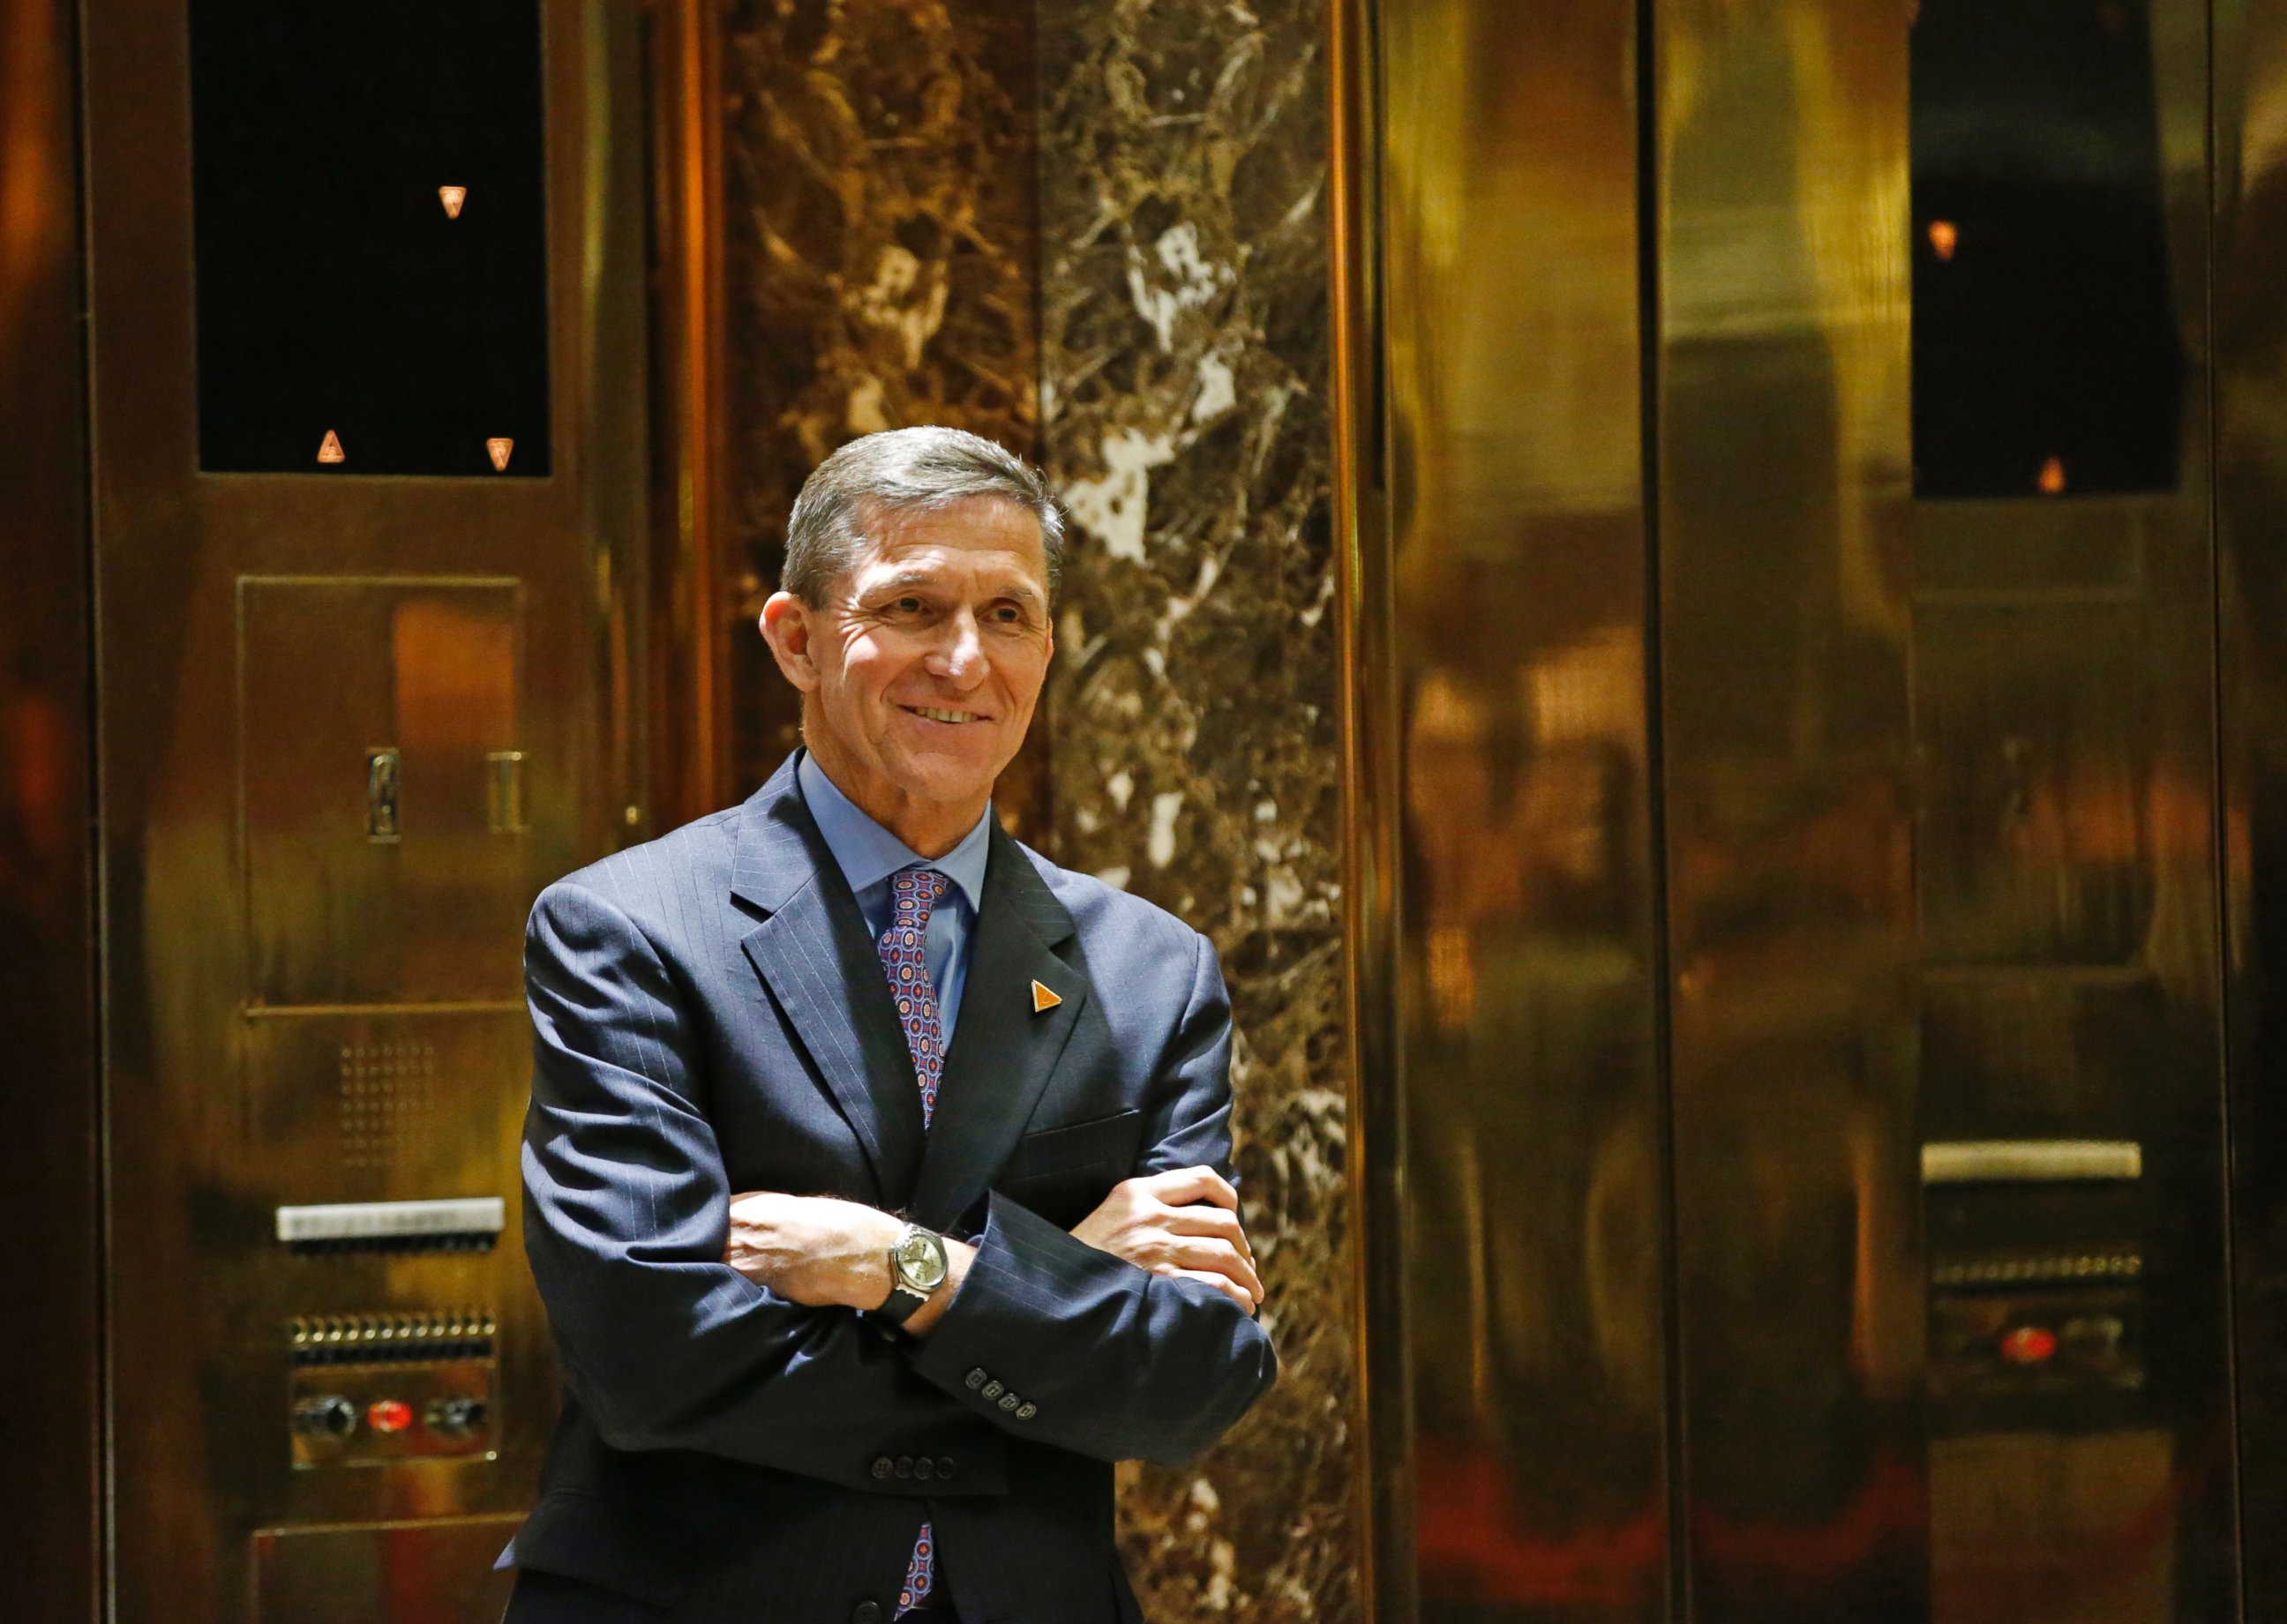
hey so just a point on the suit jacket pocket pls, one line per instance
(1063, 1173)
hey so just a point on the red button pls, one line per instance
(2027, 1344)
(394, 1414)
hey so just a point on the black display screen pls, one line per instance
(369, 186)
(2047, 360)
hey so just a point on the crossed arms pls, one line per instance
(691, 1318)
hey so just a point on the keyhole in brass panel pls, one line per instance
(381, 791)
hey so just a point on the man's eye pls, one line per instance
(909, 606)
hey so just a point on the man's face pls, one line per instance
(923, 667)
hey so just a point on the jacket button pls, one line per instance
(1026, 1412)
(925, 1469)
(943, 1467)
(1010, 1401)
(993, 1389)
(905, 1466)
(881, 1467)
(976, 1378)
(865, 1613)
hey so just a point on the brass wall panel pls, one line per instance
(1782, 493)
(1534, 1215)
(437, 1573)
(248, 1067)
(50, 1523)
(2250, 435)
(426, 670)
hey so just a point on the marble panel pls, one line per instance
(1195, 756)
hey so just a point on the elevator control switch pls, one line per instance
(327, 1415)
(388, 1415)
(456, 1417)
(2030, 1344)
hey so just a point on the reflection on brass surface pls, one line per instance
(1533, 1203)
(2250, 341)
(2064, 679)
(298, 1015)
(1782, 488)
(50, 1495)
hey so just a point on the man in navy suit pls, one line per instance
(877, 1170)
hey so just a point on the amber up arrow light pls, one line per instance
(498, 449)
(452, 197)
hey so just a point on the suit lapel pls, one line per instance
(1003, 1053)
(815, 955)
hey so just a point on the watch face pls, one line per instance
(921, 1263)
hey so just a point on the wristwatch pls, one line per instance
(917, 1269)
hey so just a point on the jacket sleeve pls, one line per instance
(627, 1209)
(1101, 1357)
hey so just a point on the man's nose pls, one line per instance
(960, 653)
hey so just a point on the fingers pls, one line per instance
(1224, 1283)
(1195, 1255)
(1200, 1220)
(1183, 1185)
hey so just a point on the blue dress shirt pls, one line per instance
(869, 853)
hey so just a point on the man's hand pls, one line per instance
(1184, 1224)
(823, 1252)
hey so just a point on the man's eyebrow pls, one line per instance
(907, 578)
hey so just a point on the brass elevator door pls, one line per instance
(1829, 884)
(365, 293)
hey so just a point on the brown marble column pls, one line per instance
(879, 267)
(1194, 756)
(1120, 264)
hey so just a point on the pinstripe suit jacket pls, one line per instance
(710, 1016)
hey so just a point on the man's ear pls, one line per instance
(787, 629)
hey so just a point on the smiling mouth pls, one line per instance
(933, 714)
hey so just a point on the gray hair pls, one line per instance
(905, 471)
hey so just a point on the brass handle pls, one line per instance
(504, 791)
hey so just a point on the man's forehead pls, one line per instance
(918, 547)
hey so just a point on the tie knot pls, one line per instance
(916, 890)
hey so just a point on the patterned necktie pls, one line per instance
(903, 957)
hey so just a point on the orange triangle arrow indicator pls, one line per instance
(330, 449)
(452, 197)
(498, 449)
(1042, 999)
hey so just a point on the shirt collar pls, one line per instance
(869, 853)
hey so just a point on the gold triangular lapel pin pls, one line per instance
(1042, 999)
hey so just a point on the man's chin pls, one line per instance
(950, 774)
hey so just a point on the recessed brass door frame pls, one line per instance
(511, 612)
(2250, 201)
